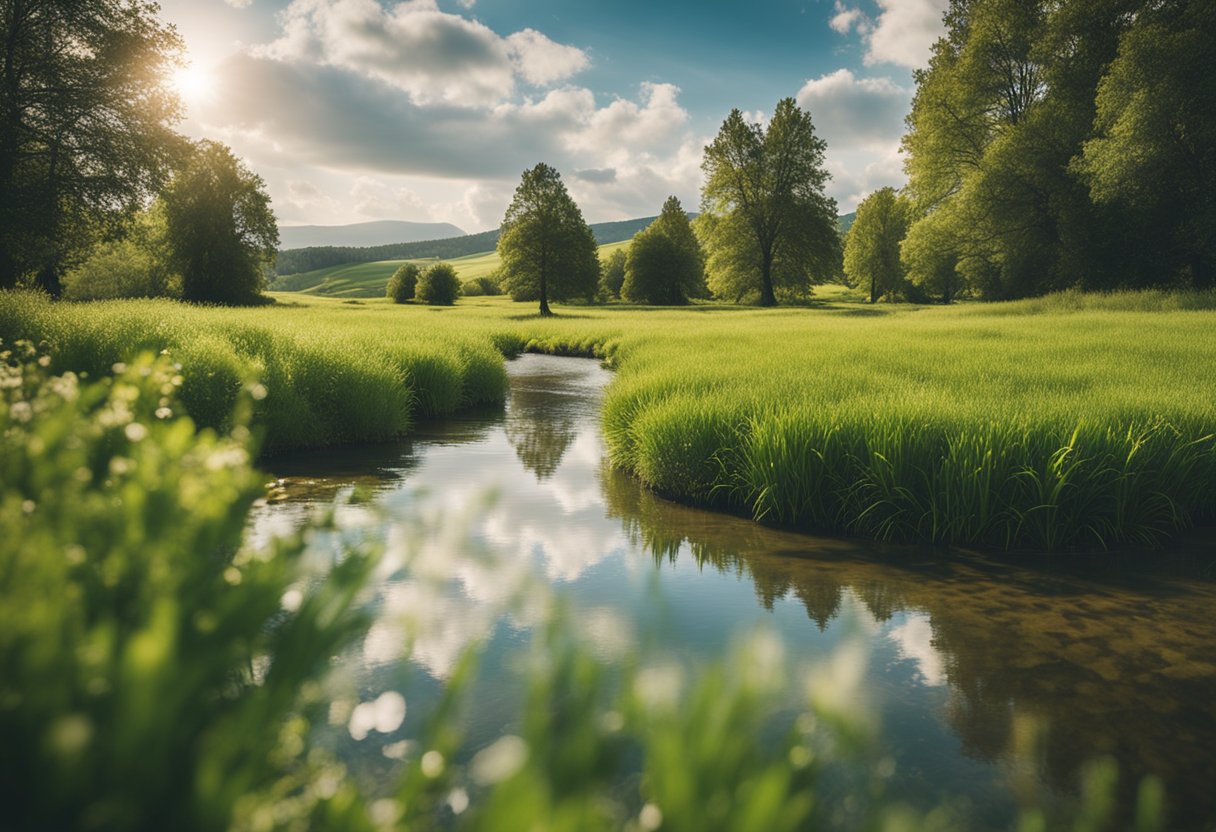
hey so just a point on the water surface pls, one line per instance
(963, 653)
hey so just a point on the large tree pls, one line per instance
(1153, 155)
(765, 187)
(221, 228)
(871, 250)
(547, 248)
(85, 136)
(665, 264)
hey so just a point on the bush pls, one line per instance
(438, 285)
(478, 286)
(402, 284)
(136, 266)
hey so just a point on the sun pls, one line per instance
(193, 83)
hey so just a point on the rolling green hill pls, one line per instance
(367, 280)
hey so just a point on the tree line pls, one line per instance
(1053, 145)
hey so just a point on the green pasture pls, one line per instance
(367, 280)
(1071, 422)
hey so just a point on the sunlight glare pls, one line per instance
(193, 83)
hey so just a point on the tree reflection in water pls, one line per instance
(1113, 661)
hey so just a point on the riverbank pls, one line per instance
(1076, 422)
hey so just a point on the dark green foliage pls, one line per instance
(221, 228)
(871, 251)
(612, 275)
(1056, 145)
(771, 221)
(404, 282)
(85, 111)
(547, 249)
(486, 285)
(1153, 154)
(665, 264)
(438, 286)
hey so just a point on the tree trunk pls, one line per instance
(873, 288)
(544, 290)
(767, 296)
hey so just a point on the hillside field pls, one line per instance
(367, 280)
(1072, 421)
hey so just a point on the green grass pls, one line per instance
(367, 280)
(1054, 424)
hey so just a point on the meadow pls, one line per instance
(1072, 422)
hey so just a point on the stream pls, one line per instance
(963, 655)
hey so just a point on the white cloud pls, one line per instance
(239, 4)
(862, 120)
(542, 61)
(902, 33)
(433, 56)
(850, 111)
(914, 640)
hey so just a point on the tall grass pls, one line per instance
(1073, 421)
(324, 379)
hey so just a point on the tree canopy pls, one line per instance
(220, 226)
(665, 264)
(1065, 144)
(547, 248)
(401, 286)
(85, 127)
(871, 250)
(772, 223)
(438, 285)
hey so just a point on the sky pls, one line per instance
(429, 110)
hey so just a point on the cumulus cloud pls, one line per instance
(902, 33)
(542, 61)
(851, 111)
(433, 56)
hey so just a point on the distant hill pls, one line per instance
(314, 258)
(845, 221)
(323, 257)
(379, 233)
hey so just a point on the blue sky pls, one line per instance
(428, 110)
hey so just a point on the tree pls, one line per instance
(766, 188)
(438, 285)
(546, 246)
(85, 137)
(221, 228)
(871, 250)
(665, 264)
(403, 283)
(612, 274)
(929, 259)
(1154, 150)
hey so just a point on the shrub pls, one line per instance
(403, 283)
(478, 286)
(438, 285)
(136, 266)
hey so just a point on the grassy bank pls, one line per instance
(327, 377)
(1059, 423)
